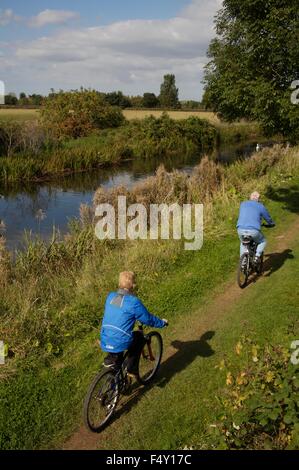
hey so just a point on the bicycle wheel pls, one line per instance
(150, 357)
(101, 400)
(243, 271)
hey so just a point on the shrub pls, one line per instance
(78, 113)
(18, 137)
(260, 403)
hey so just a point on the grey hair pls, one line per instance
(255, 196)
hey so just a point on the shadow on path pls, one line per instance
(272, 263)
(289, 196)
(275, 261)
(186, 353)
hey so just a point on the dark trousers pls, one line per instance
(115, 359)
(134, 351)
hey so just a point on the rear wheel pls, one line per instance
(243, 271)
(101, 401)
(150, 357)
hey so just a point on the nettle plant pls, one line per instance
(260, 403)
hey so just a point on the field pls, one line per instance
(18, 114)
(29, 114)
(140, 114)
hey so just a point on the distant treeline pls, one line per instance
(167, 99)
(115, 98)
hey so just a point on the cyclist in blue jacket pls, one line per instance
(122, 310)
(251, 215)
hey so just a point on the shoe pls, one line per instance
(257, 260)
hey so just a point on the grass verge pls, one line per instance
(52, 298)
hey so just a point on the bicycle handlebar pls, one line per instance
(141, 326)
(268, 225)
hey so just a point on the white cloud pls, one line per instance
(7, 16)
(129, 55)
(52, 17)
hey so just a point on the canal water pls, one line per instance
(38, 207)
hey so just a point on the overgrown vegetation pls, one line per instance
(29, 153)
(77, 114)
(260, 403)
(52, 295)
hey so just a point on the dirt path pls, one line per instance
(197, 325)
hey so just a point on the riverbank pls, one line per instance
(52, 297)
(36, 158)
(27, 155)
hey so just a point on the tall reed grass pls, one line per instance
(28, 159)
(49, 291)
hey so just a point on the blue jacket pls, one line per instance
(251, 215)
(122, 310)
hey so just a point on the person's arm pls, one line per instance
(267, 216)
(146, 318)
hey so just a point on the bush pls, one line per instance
(261, 402)
(18, 137)
(78, 113)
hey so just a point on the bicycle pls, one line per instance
(104, 392)
(247, 264)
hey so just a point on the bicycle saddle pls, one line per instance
(247, 239)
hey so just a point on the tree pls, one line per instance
(11, 99)
(253, 62)
(117, 98)
(191, 104)
(78, 113)
(136, 101)
(169, 94)
(150, 100)
(36, 100)
(23, 99)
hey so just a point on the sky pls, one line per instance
(126, 45)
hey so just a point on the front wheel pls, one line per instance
(150, 357)
(243, 271)
(101, 401)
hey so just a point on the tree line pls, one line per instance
(168, 98)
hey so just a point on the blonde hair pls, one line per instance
(254, 196)
(126, 280)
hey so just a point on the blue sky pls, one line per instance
(105, 44)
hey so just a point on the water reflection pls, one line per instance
(40, 206)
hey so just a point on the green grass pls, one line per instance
(51, 307)
(181, 406)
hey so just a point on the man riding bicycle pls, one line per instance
(251, 214)
(122, 310)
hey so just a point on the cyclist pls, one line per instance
(122, 310)
(251, 214)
